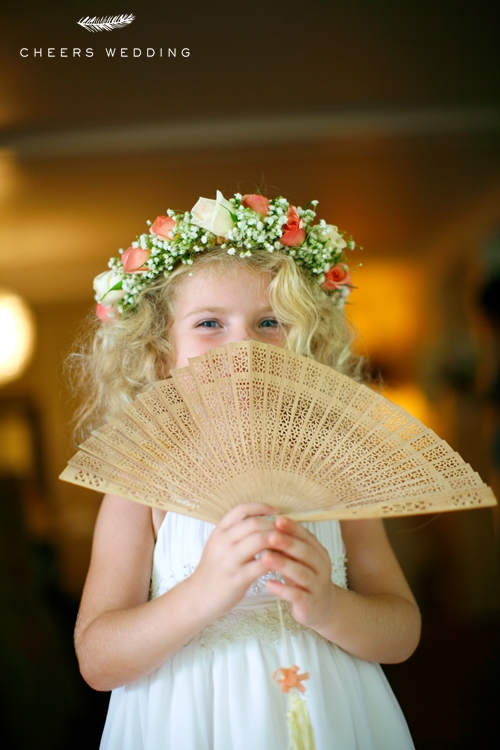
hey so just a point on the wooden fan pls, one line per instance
(252, 422)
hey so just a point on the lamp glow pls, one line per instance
(389, 308)
(17, 336)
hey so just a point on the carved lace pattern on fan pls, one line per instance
(240, 623)
(250, 421)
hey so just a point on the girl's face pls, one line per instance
(213, 310)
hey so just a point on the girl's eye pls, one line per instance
(269, 323)
(208, 324)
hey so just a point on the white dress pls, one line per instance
(217, 692)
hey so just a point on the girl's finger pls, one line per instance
(294, 528)
(301, 575)
(245, 510)
(296, 549)
(248, 526)
(290, 594)
(252, 571)
(249, 546)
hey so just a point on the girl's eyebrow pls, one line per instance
(220, 310)
(199, 310)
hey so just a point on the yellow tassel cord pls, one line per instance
(300, 731)
(299, 724)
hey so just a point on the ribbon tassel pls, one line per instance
(300, 731)
(301, 735)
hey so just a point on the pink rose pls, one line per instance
(293, 233)
(257, 203)
(134, 260)
(163, 226)
(107, 315)
(337, 277)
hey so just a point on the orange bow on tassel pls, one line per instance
(290, 678)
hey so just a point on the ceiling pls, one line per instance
(280, 56)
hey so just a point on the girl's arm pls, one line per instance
(120, 636)
(377, 619)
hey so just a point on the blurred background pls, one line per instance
(387, 113)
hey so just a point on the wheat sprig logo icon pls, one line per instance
(105, 23)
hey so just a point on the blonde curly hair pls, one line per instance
(114, 363)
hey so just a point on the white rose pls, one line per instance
(104, 283)
(213, 215)
(332, 237)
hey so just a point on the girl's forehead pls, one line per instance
(209, 282)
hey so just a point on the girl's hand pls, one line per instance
(306, 567)
(376, 619)
(228, 565)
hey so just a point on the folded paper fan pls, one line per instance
(252, 422)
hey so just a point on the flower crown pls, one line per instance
(240, 225)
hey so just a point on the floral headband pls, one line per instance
(240, 225)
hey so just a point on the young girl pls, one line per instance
(178, 617)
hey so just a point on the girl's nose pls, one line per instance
(242, 332)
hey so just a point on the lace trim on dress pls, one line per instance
(241, 623)
(160, 585)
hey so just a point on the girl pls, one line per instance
(178, 617)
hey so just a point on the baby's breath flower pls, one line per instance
(321, 249)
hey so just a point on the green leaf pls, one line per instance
(118, 285)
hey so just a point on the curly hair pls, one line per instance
(112, 364)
